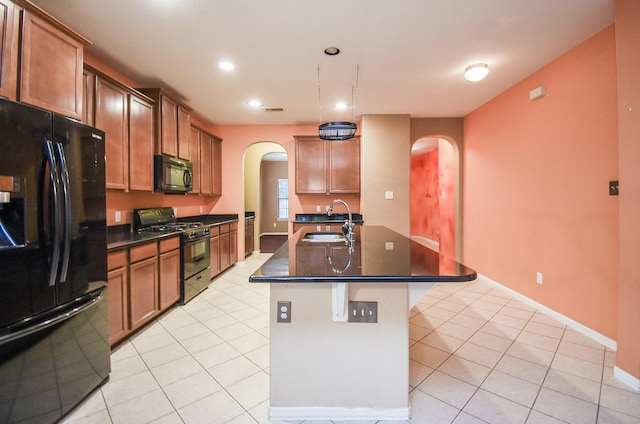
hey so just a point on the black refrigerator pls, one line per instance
(54, 329)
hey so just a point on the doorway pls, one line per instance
(433, 194)
(265, 169)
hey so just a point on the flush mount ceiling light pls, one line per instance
(338, 130)
(226, 65)
(476, 72)
(255, 103)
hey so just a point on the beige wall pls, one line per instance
(386, 166)
(252, 158)
(270, 172)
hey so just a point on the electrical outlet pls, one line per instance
(539, 277)
(118, 216)
(363, 312)
(284, 311)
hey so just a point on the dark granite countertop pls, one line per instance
(121, 236)
(323, 218)
(380, 255)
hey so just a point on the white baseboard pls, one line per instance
(600, 338)
(284, 413)
(627, 378)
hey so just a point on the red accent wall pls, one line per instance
(425, 208)
(432, 196)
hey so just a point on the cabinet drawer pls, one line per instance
(169, 244)
(117, 259)
(145, 251)
(234, 226)
(224, 228)
(214, 231)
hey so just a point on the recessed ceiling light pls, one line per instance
(340, 106)
(331, 51)
(476, 72)
(226, 65)
(255, 103)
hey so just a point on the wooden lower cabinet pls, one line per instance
(214, 250)
(118, 281)
(143, 293)
(169, 262)
(143, 282)
(248, 236)
(225, 244)
(233, 243)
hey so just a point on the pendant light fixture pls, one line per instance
(338, 130)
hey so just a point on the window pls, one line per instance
(283, 198)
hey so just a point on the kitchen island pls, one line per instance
(326, 363)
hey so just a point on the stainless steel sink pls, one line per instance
(324, 237)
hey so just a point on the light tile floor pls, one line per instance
(477, 355)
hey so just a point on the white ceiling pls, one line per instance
(411, 54)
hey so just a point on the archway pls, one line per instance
(254, 186)
(433, 194)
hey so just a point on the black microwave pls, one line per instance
(172, 175)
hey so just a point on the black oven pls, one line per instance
(196, 261)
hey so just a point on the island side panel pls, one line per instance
(317, 362)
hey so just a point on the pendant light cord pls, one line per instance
(319, 97)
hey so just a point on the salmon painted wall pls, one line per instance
(536, 179)
(627, 17)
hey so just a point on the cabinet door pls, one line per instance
(169, 278)
(169, 126)
(225, 245)
(140, 144)
(344, 166)
(214, 249)
(44, 48)
(216, 167)
(8, 49)
(311, 166)
(205, 164)
(194, 140)
(233, 247)
(111, 117)
(184, 131)
(143, 291)
(88, 97)
(118, 304)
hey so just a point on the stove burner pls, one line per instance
(172, 226)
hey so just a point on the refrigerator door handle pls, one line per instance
(66, 211)
(56, 212)
(92, 299)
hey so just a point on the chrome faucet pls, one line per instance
(348, 224)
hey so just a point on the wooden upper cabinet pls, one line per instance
(327, 167)
(168, 126)
(344, 166)
(173, 124)
(194, 139)
(111, 116)
(184, 132)
(311, 165)
(216, 166)
(44, 48)
(88, 97)
(9, 24)
(141, 144)
(205, 164)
